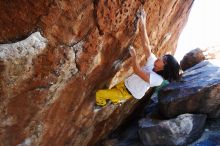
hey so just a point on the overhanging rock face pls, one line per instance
(54, 55)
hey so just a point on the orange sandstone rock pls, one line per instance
(54, 55)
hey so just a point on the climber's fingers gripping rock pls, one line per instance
(132, 51)
(143, 16)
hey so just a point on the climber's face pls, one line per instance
(159, 64)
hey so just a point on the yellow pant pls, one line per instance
(115, 94)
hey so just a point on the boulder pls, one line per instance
(210, 140)
(181, 130)
(211, 134)
(192, 58)
(197, 92)
(54, 56)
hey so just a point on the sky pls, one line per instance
(202, 29)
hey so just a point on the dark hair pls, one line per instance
(171, 69)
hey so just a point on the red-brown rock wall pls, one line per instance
(60, 52)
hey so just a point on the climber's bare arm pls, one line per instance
(143, 31)
(137, 70)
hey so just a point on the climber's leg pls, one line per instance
(99, 98)
(116, 94)
(126, 94)
(112, 94)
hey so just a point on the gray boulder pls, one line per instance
(197, 92)
(182, 130)
(211, 134)
(192, 58)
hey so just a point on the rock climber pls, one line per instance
(152, 74)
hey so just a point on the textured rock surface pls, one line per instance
(211, 134)
(198, 92)
(48, 80)
(192, 58)
(181, 130)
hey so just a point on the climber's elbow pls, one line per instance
(144, 75)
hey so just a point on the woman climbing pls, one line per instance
(151, 74)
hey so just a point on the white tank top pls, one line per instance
(137, 86)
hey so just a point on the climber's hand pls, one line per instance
(135, 64)
(133, 56)
(142, 15)
(132, 51)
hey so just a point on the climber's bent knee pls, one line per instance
(100, 100)
(115, 95)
